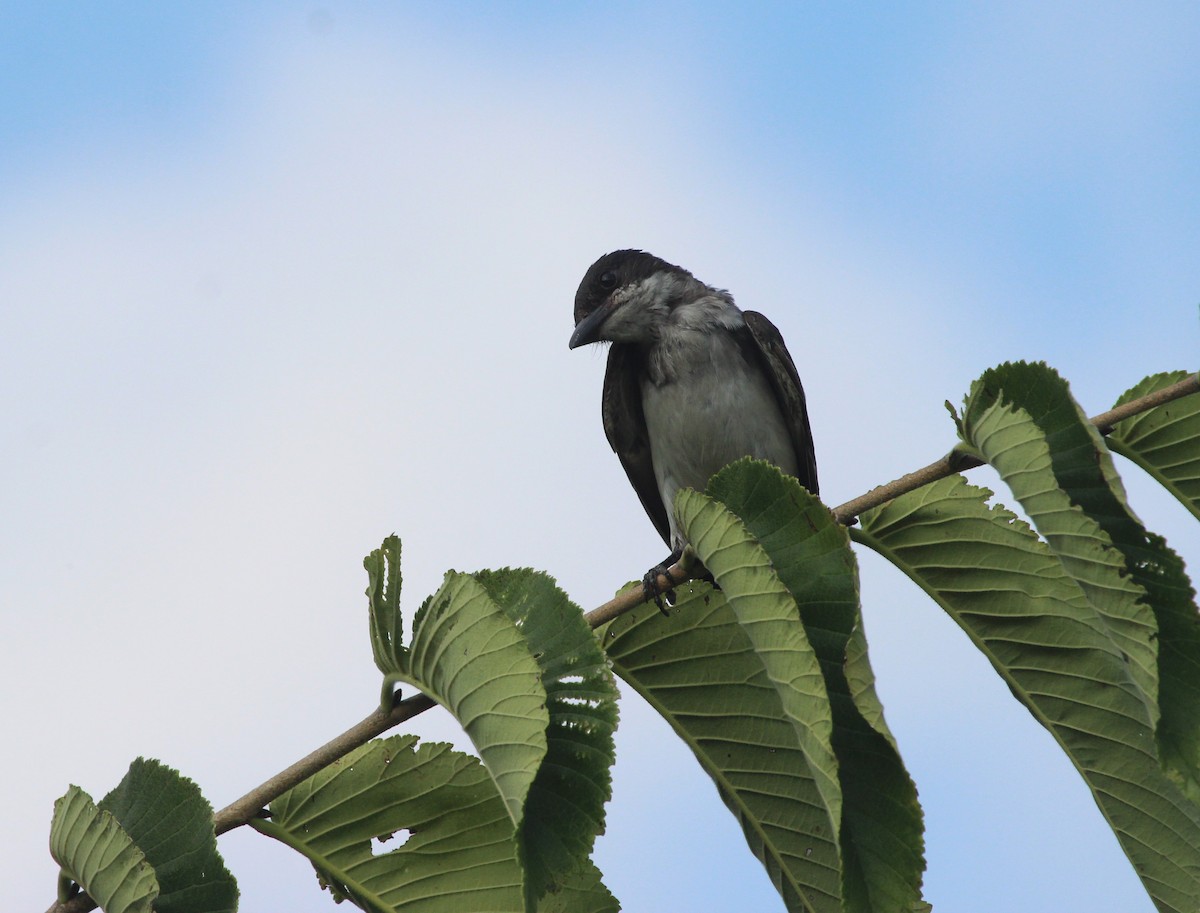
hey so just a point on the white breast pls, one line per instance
(709, 409)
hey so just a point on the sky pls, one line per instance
(277, 280)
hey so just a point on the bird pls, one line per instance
(692, 384)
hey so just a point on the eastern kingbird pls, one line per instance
(693, 383)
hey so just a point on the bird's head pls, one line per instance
(628, 296)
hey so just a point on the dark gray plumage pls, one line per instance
(693, 382)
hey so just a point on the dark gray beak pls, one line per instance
(587, 330)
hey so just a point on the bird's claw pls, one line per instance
(662, 598)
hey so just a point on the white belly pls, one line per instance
(718, 413)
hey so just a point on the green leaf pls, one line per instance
(1011, 594)
(1165, 440)
(396, 825)
(580, 892)
(882, 829)
(768, 614)
(172, 823)
(1083, 469)
(149, 840)
(1018, 418)
(565, 808)
(383, 597)
(734, 674)
(450, 834)
(860, 677)
(698, 669)
(470, 657)
(98, 855)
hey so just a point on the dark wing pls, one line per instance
(788, 392)
(625, 428)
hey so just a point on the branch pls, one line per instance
(250, 806)
(1105, 421)
(955, 462)
(951, 463)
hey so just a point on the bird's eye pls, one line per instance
(608, 279)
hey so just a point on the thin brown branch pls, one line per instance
(953, 462)
(1106, 420)
(948, 465)
(847, 514)
(634, 597)
(251, 805)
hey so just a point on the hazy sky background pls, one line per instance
(277, 280)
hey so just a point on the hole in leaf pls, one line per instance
(578, 701)
(386, 843)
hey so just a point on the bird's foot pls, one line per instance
(663, 598)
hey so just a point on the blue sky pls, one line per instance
(277, 280)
